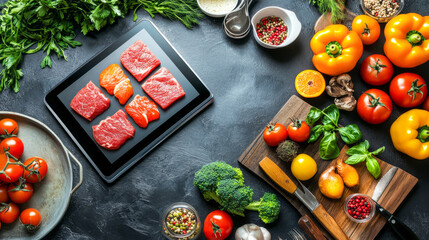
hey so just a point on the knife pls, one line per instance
(402, 230)
(306, 197)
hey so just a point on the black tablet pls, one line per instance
(110, 164)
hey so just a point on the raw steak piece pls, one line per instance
(90, 102)
(113, 131)
(111, 76)
(142, 110)
(163, 88)
(139, 60)
(123, 91)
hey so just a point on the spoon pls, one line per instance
(237, 22)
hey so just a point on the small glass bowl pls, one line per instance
(382, 19)
(193, 234)
(368, 199)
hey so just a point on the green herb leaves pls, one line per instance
(360, 153)
(50, 26)
(330, 6)
(328, 148)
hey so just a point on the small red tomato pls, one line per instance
(374, 106)
(4, 197)
(12, 172)
(14, 146)
(376, 70)
(20, 192)
(274, 134)
(31, 219)
(217, 225)
(298, 131)
(408, 90)
(9, 212)
(36, 169)
(426, 104)
(8, 127)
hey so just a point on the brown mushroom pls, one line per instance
(346, 82)
(334, 89)
(347, 103)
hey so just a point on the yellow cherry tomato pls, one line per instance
(303, 167)
(367, 28)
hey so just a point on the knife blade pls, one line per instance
(383, 183)
(306, 197)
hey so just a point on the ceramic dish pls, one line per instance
(219, 12)
(371, 211)
(51, 196)
(289, 18)
(382, 19)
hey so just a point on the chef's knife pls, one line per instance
(306, 197)
(398, 226)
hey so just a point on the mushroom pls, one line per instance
(334, 89)
(347, 103)
(346, 82)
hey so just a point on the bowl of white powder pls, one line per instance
(217, 8)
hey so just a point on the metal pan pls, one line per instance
(51, 196)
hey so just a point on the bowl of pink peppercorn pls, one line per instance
(275, 27)
(359, 207)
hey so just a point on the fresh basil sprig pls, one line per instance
(360, 153)
(328, 148)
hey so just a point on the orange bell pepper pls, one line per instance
(336, 49)
(407, 40)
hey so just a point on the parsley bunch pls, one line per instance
(28, 26)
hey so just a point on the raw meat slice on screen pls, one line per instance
(139, 60)
(90, 102)
(112, 132)
(142, 110)
(163, 88)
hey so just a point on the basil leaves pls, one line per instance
(328, 148)
(360, 153)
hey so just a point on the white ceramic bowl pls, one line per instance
(216, 14)
(289, 18)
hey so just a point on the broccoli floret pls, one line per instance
(268, 207)
(234, 196)
(208, 177)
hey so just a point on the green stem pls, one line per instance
(423, 133)
(415, 38)
(333, 49)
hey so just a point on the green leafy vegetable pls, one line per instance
(313, 116)
(331, 114)
(350, 134)
(360, 153)
(328, 148)
(330, 6)
(28, 26)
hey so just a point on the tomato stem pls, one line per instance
(216, 229)
(377, 66)
(366, 30)
(415, 88)
(374, 102)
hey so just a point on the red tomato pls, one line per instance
(275, 134)
(408, 90)
(376, 70)
(9, 212)
(31, 218)
(298, 131)
(426, 104)
(4, 197)
(217, 225)
(8, 126)
(374, 106)
(36, 169)
(20, 192)
(12, 172)
(14, 146)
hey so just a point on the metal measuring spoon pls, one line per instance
(237, 22)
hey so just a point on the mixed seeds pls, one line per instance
(272, 30)
(382, 8)
(181, 221)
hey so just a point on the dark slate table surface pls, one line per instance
(250, 84)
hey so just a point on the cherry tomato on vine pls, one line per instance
(9, 212)
(12, 172)
(274, 134)
(367, 28)
(14, 146)
(31, 219)
(36, 169)
(376, 70)
(374, 106)
(8, 126)
(20, 192)
(217, 225)
(408, 90)
(4, 197)
(298, 131)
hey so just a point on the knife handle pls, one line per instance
(310, 228)
(329, 223)
(402, 230)
(277, 175)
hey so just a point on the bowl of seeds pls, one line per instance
(382, 10)
(275, 27)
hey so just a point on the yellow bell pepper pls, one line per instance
(410, 133)
(336, 49)
(407, 40)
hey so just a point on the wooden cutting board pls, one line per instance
(394, 194)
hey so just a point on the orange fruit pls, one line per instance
(310, 83)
